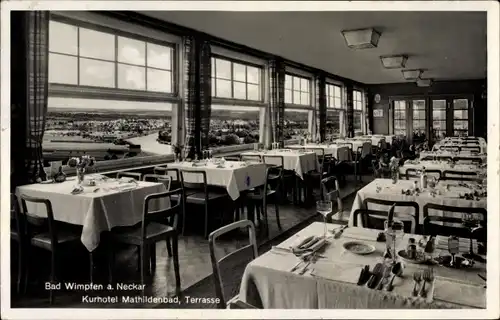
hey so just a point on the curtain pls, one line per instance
(367, 114)
(29, 94)
(277, 99)
(350, 111)
(198, 95)
(320, 83)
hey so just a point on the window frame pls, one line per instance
(405, 119)
(361, 111)
(292, 105)
(115, 93)
(341, 110)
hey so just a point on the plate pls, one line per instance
(419, 260)
(359, 248)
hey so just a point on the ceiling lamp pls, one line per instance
(361, 38)
(394, 62)
(424, 82)
(412, 74)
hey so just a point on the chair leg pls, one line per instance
(111, 262)
(52, 276)
(143, 262)
(183, 216)
(276, 208)
(152, 257)
(169, 247)
(91, 263)
(175, 251)
(20, 268)
(206, 221)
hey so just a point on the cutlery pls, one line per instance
(339, 233)
(364, 275)
(428, 277)
(396, 270)
(417, 278)
(386, 274)
(375, 273)
(304, 268)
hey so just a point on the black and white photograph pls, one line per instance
(169, 157)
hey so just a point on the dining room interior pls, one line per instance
(248, 160)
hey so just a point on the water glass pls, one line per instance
(324, 208)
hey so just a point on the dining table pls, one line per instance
(448, 154)
(442, 166)
(234, 176)
(299, 161)
(279, 279)
(328, 148)
(99, 206)
(445, 193)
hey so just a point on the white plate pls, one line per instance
(364, 248)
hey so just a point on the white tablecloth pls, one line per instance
(425, 154)
(392, 192)
(355, 143)
(438, 165)
(115, 203)
(330, 149)
(300, 162)
(236, 176)
(331, 281)
(460, 141)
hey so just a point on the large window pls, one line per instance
(419, 119)
(297, 90)
(400, 117)
(460, 117)
(233, 125)
(438, 119)
(87, 59)
(232, 80)
(358, 111)
(296, 123)
(335, 111)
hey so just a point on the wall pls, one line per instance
(465, 87)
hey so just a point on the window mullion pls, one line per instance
(146, 66)
(116, 61)
(78, 56)
(232, 80)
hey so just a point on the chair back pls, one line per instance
(450, 148)
(251, 157)
(175, 178)
(274, 177)
(273, 160)
(163, 215)
(434, 224)
(135, 175)
(16, 225)
(459, 175)
(330, 191)
(196, 179)
(226, 280)
(366, 214)
(160, 170)
(31, 221)
(412, 173)
(471, 148)
(477, 160)
(166, 180)
(382, 144)
(410, 220)
(366, 149)
(344, 154)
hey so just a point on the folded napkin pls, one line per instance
(344, 272)
(462, 293)
(311, 243)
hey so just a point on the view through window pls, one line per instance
(400, 117)
(460, 117)
(419, 120)
(125, 126)
(358, 111)
(438, 119)
(297, 93)
(335, 113)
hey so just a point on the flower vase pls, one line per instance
(394, 175)
(80, 174)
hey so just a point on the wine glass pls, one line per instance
(394, 231)
(324, 208)
(470, 222)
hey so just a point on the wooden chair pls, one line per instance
(251, 157)
(198, 193)
(410, 220)
(17, 234)
(450, 148)
(166, 180)
(226, 280)
(470, 148)
(135, 175)
(260, 197)
(153, 227)
(433, 224)
(160, 170)
(44, 233)
(457, 175)
(330, 191)
(288, 177)
(412, 173)
(316, 176)
(477, 160)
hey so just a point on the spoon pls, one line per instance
(396, 270)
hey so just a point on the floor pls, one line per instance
(194, 261)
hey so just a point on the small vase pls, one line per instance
(394, 176)
(80, 174)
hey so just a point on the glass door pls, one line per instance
(400, 118)
(418, 123)
(439, 130)
(460, 117)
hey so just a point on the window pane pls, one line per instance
(97, 73)
(439, 125)
(296, 97)
(212, 69)
(239, 72)
(95, 44)
(337, 103)
(331, 102)
(288, 82)
(332, 124)
(357, 121)
(288, 96)
(296, 83)
(460, 124)
(304, 85)
(460, 114)
(160, 56)
(213, 87)
(253, 92)
(240, 90)
(131, 51)
(253, 75)
(460, 104)
(101, 123)
(131, 77)
(223, 69)
(63, 38)
(304, 98)
(223, 88)
(337, 91)
(296, 123)
(232, 125)
(63, 69)
(160, 80)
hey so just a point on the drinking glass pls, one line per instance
(324, 208)
(470, 222)
(394, 234)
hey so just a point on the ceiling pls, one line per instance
(448, 45)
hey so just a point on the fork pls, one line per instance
(417, 277)
(428, 277)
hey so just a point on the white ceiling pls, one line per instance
(449, 45)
